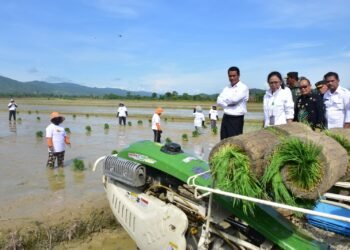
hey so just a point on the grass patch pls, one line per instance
(139, 122)
(106, 126)
(78, 165)
(195, 133)
(129, 123)
(39, 134)
(304, 168)
(88, 129)
(184, 137)
(214, 130)
(231, 172)
(340, 139)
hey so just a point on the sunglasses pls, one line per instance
(303, 87)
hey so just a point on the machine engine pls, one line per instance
(160, 212)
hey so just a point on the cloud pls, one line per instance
(300, 14)
(346, 54)
(56, 79)
(119, 8)
(301, 45)
(33, 70)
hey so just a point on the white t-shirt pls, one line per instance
(278, 107)
(213, 114)
(198, 119)
(12, 106)
(122, 111)
(57, 134)
(155, 120)
(337, 107)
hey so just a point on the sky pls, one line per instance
(183, 45)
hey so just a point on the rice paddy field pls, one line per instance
(46, 205)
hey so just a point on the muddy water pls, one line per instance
(28, 189)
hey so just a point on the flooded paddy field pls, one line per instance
(35, 198)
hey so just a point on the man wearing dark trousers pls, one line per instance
(233, 99)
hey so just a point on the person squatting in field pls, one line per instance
(56, 140)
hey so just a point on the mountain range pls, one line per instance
(9, 86)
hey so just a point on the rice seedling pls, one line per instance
(87, 115)
(214, 130)
(78, 165)
(88, 129)
(168, 140)
(38, 118)
(19, 119)
(195, 133)
(29, 112)
(149, 120)
(304, 168)
(36, 111)
(74, 116)
(17, 112)
(39, 134)
(114, 152)
(184, 137)
(139, 122)
(129, 123)
(106, 126)
(230, 169)
(67, 130)
(165, 119)
(340, 139)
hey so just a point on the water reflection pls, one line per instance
(199, 151)
(79, 177)
(121, 137)
(56, 178)
(12, 126)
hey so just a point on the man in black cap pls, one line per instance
(292, 82)
(321, 87)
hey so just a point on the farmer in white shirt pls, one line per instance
(199, 118)
(157, 131)
(337, 103)
(122, 114)
(12, 109)
(213, 116)
(233, 99)
(278, 102)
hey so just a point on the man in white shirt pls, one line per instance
(12, 109)
(213, 116)
(122, 114)
(337, 103)
(233, 99)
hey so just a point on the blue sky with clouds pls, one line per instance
(183, 45)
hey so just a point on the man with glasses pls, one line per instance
(337, 102)
(309, 107)
(233, 99)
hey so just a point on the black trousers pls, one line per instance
(157, 135)
(231, 125)
(122, 119)
(12, 113)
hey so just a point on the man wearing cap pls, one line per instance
(122, 114)
(337, 102)
(12, 109)
(157, 131)
(321, 87)
(292, 83)
(56, 140)
(233, 99)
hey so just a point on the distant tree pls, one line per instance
(154, 95)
